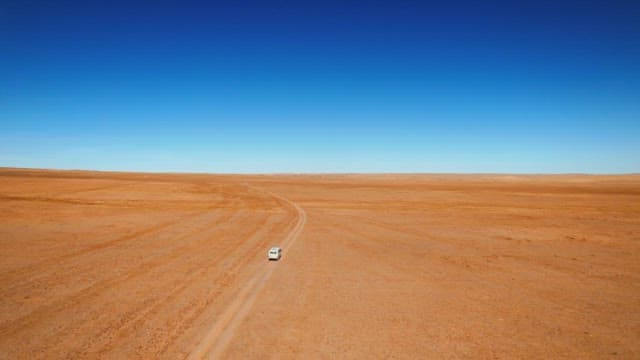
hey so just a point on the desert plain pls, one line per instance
(136, 265)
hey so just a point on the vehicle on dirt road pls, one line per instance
(275, 253)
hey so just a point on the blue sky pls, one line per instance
(509, 86)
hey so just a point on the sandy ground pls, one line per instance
(116, 265)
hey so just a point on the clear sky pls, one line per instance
(321, 86)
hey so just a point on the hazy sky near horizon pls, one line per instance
(326, 86)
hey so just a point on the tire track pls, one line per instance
(34, 273)
(220, 335)
(53, 277)
(229, 277)
(195, 271)
(30, 270)
(95, 290)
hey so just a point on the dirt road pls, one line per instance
(118, 265)
(215, 342)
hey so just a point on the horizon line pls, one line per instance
(3, 168)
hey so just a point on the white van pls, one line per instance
(275, 253)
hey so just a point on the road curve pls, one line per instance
(217, 339)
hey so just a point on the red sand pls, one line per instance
(397, 266)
